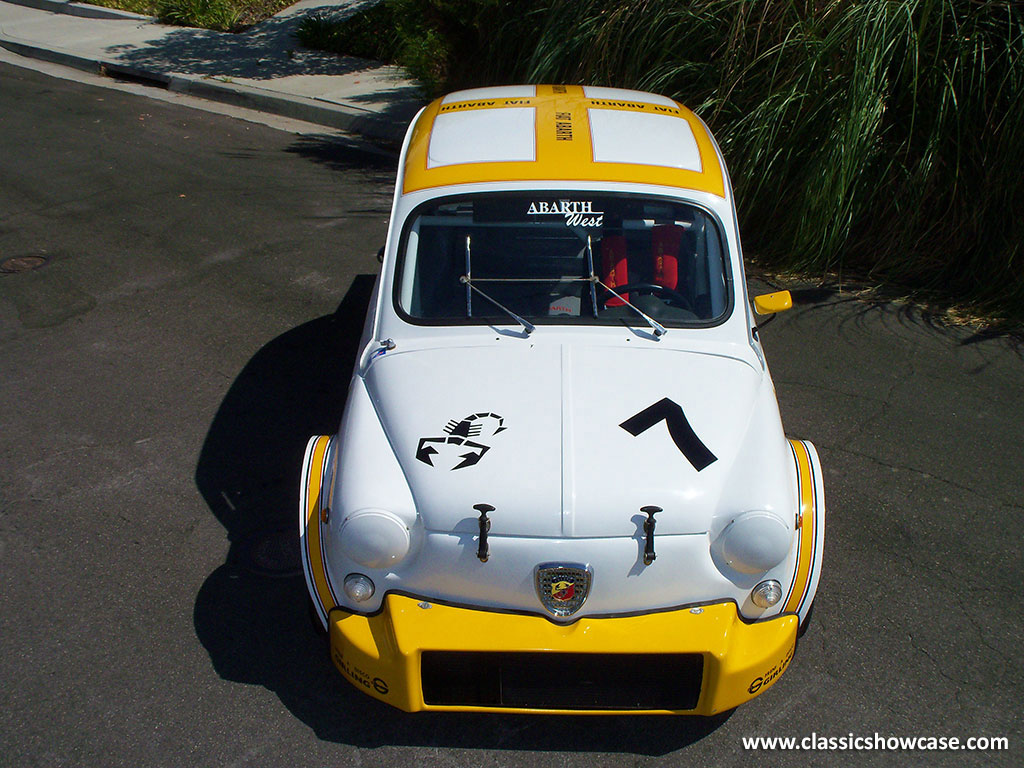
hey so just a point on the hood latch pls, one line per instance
(485, 526)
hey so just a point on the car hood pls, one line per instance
(571, 441)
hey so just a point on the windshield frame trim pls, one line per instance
(558, 320)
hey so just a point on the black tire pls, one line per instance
(806, 622)
(314, 618)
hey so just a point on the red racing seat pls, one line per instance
(614, 266)
(665, 241)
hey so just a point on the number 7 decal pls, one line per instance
(679, 429)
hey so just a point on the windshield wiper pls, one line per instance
(593, 278)
(527, 325)
(467, 281)
(659, 329)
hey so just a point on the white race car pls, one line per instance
(561, 483)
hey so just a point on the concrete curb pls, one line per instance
(273, 96)
(81, 9)
(366, 123)
(52, 55)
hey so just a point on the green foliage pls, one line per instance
(371, 34)
(879, 137)
(219, 15)
(438, 41)
(144, 7)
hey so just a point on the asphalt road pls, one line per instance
(195, 321)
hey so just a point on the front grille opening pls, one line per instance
(562, 680)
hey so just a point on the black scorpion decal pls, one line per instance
(458, 439)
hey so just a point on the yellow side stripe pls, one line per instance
(818, 507)
(805, 552)
(314, 553)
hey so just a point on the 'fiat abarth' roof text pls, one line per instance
(564, 132)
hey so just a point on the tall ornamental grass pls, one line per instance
(872, 138)
(884, 138)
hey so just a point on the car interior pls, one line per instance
(663, 258)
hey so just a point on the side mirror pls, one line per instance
(770, 303)
(380, 255)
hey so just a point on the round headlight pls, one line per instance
(375, 538)
(754, 542)
(766, 594)
(358, 587)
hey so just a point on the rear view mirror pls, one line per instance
(770, 303)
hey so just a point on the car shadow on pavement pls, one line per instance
(344, 155)
(251, 612)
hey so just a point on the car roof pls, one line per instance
(560, 133)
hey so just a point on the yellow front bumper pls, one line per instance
(383, 654)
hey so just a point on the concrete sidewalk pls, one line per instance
(263, 68)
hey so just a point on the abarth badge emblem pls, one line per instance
(562, 587)
(563, 591)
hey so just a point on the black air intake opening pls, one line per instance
(562, 680)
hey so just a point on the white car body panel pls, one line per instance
(566, 480)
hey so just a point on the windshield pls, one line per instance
(561, 258)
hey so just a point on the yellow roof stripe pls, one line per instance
(564, 148)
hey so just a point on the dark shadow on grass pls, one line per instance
(251, 612)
